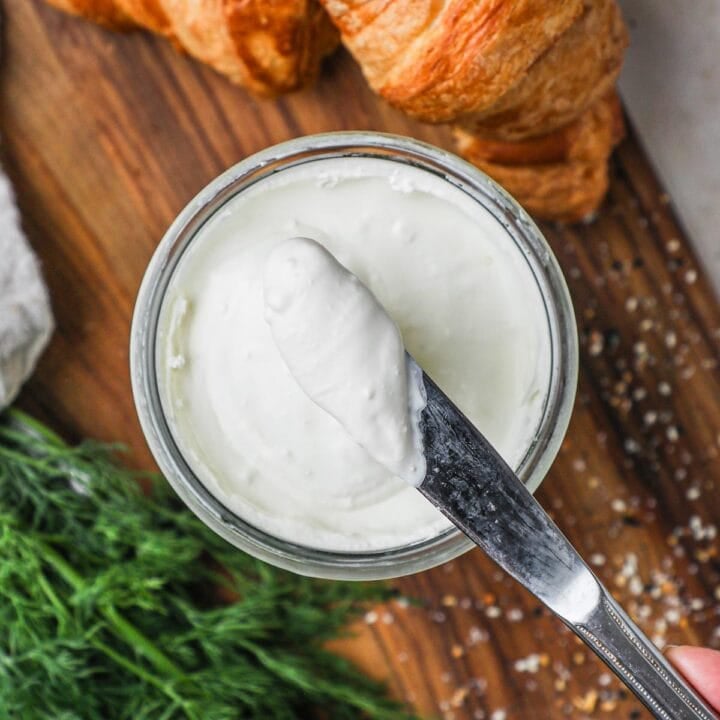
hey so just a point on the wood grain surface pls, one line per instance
(106, 137)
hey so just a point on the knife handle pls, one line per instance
(614, 637)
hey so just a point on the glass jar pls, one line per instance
(521, 230)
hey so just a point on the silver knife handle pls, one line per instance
(615, 638)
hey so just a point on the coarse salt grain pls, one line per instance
(596, 343)
(529, 664)
(632, 447)
(459, 696)
(618, 505)
(477, 635)
(630, 565)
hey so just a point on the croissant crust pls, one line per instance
(562, 175)
(104, 12)
(439, 61)
(268, 46)
(581, 67)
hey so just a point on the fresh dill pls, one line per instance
(113, 604)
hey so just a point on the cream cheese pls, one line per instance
(460, 292)
(346, 353)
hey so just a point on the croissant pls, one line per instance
(527, 83)
(268, 46)
(562, 175)
(442, 61)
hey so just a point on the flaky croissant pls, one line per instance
(528, 84)
(443, 61)
(562, 175)
(268, 46)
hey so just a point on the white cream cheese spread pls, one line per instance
(458, 290)
(346, 353)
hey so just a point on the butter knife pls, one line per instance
(469, 482)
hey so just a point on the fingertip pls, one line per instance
(701, 668)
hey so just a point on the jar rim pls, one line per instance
(370, 564)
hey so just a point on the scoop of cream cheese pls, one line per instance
(346, 353)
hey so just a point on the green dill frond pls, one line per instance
(109, 604)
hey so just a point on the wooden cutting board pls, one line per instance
(108, 136)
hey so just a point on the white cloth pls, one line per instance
(26, 321)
